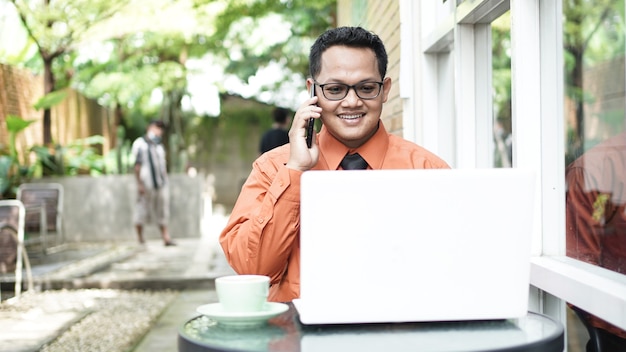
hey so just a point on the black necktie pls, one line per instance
(353, 162)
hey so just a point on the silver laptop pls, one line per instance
(415, 245)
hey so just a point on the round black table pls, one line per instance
(533, 332)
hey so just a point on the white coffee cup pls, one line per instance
(242, 293)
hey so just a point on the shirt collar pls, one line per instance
(373, 151)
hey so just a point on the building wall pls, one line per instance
(223, 148)
(382, 18)
(100, 209)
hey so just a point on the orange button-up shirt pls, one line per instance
(262, 235)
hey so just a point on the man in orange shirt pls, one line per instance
(347, 67)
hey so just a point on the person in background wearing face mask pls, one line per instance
(152, 186)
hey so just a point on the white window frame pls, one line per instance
(452, 67)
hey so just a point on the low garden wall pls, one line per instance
(101, 208)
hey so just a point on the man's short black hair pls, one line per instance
(280, 115)
(355, 37)
(157, 123)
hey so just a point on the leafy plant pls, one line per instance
(12, 172)
(78, 157)
(51, 99)
(81, 157)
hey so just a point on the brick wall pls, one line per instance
(79, 117)
(19, 90)
(75, 118)
(382, 18)
(604, 114)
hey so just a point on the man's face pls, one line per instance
(156, 130)
(351, 120)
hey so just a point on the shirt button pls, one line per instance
(260, 220)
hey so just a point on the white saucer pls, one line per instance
(216, 312)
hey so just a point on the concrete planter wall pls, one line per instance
(101, 208)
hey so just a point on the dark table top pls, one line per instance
(533, 332)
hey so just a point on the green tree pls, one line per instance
(132, 51)
(55, 26)
(593, 31)
(501, 65)
(134, 64)
(236, 28)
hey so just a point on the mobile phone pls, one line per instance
(311, 124)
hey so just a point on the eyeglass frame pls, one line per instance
(353, 87)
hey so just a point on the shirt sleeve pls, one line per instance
(264, 225)
(136, 152)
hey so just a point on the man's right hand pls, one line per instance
(140, 188)
(301, 156)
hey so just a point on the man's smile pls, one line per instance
(350, 117)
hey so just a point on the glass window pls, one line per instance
(595, 128)
(501, 78)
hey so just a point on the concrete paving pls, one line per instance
(164, 284)
(184, 273)
(163, 334)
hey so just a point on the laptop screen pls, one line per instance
(415, 245)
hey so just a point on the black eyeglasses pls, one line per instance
(338, 91)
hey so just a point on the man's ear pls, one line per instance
(309, 83)
(386, 88)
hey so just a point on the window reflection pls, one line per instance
(593, 37)
(501, 78)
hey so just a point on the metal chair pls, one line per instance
(12, 220)
(43, 203)
(595, 342)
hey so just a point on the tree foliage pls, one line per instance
(55, 26)
(237, 35)
(140, 35)
(593, 32)
(132, 56)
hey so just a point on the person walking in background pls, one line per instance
(278, 135)
(347, 67)
(152, 183)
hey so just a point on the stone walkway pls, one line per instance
(80, 320)
(114, 297)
